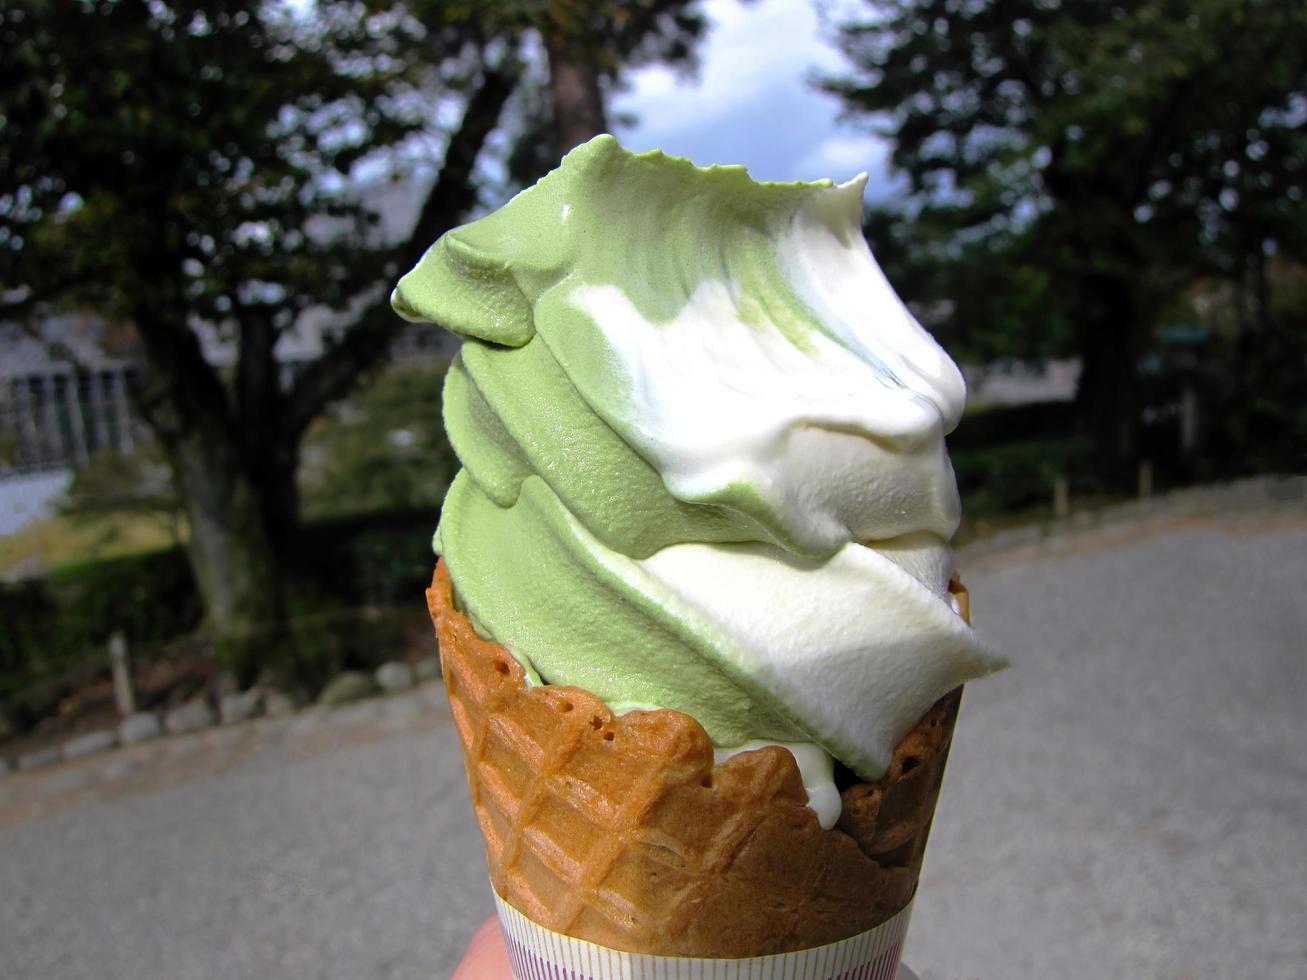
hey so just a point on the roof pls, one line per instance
(22, 355)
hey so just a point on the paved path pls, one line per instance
(1128, 801)
(320, 848)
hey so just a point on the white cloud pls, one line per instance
(842, 156)
(750, 52)
(753, 103)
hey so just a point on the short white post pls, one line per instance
(123, 694)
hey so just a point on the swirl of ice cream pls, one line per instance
(703, 453)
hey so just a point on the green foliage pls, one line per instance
(1259, 424)
(1006, 457)
(175, 154)
(1027, 422)
(194, 169)
(358, 590)
(31, 647)
(358, 587)
(613, 37)
(149, 597)
(382, 450)
(8, 448)
(1010, 477)
(56, 631)
(1074, 164)
(171, 163)
(195, 156)
(176, 163)
(984, 301)
(118, 483)
(370, 559)
(1103, 124)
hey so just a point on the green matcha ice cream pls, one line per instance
(703, 454)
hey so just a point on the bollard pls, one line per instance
(123, 695)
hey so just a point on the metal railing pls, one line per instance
(58, 419)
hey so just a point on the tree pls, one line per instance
(591, 42)
(177, 163)
(589, 46)
(378, 456)
(189, 167)
(1116, 150)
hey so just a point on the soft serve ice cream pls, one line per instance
(703, 456)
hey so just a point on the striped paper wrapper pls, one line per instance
(536, 953)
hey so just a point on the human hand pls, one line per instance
(487, 956)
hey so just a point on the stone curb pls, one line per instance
(1265, 495)
(394, 676)
(89, 744)
(1259, 496)
(402, 683)
(242, 706)
(39, 759)
(139, 727)
(193, 716)
(1262, 495)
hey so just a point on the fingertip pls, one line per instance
(487, 956)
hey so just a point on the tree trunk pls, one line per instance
(234, 555)
(1263, 289)
(273, 462)
(267, 451)
(1108, 394)
(574, 87)
(233, 548)
(233, 443)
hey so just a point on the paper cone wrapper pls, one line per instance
(536, 953)
(620, 832)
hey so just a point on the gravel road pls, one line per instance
(1127, 801)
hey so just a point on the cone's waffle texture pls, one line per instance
(621, 831)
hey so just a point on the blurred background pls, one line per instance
(221, 460)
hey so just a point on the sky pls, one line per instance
(752, 101)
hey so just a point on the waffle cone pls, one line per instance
(622, 832)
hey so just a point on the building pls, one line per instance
(62, 397)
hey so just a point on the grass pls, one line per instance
(69, 540)
(1002, 485)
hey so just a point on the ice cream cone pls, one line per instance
(621, 831)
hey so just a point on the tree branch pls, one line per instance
(181, 391)
(454, 193)
(256, 386)
(367, 342)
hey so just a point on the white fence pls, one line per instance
(55, 416)
(58, 419)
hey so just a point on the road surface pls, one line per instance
(1127, 801)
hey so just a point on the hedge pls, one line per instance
(56, 629)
